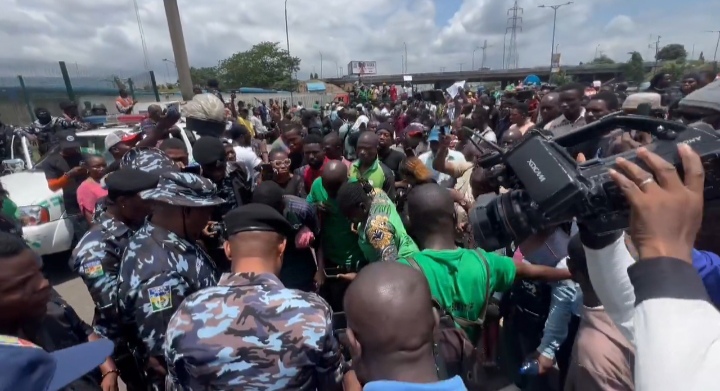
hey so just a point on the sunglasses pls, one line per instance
(280, 163)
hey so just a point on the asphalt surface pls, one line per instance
(74, 292)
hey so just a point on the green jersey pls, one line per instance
(383, 237)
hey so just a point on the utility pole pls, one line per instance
(515, 23)
(484, 48)
(287, 38)
(442, 69)
(461, 64)
(716, 44)
(656, 45)
(555, 9)
(406, 59)
(473, 58)
(172, 13)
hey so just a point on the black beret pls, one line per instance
(130, 180)
(209, 150)
(256, 217)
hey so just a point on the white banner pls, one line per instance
(454, 89)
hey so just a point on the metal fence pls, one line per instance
(47, 86)
(24, 88)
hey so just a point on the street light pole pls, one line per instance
(596, 51)
(172, 13)
(406, 58)
(166, 61)
(321, 65)
(287, 38)
(555, 9)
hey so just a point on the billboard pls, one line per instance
(362, 68)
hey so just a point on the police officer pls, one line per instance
(147, 159)
(210, 153)
(97, 257)
(163, 264)
(259, 339)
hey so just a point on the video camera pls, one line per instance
(547, 186)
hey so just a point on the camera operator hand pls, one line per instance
(665, 212)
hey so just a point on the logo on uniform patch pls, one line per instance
(6, 340)
(94, 269)
(160, 298)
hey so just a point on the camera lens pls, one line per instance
(497, 221)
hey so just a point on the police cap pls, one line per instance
(209, 150)
(256, 217)
(130, 181)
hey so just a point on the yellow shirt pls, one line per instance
(246, 123)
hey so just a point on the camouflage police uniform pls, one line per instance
(145, 159)
(250, 332)
(159, 268)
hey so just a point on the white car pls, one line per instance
(45, 224)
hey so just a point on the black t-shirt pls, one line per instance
(392, 159)
(55, 166)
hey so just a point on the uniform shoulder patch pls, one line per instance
(6, 340)
(160, 298)
(93, 269)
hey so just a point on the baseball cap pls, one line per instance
(27, 366)
(68, 140)
(119, 136)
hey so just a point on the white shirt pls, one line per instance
(442, 179)
(246, 157)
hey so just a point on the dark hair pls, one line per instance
(657, 79)
(351, 194)
(274, 153)
(11, 245)
(522, 108)
(269, 193)
(237, 131)
(3, 192)
(313, 138)
(213, 83)
(172, 143)
(577, 87)
(610, 99)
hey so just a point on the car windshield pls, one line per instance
(89, 145)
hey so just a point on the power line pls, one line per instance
(142, 35)
(515, 23)
(717, 44)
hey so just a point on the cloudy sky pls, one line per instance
(96, 37)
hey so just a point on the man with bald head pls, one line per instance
(339, 251)
(390, 323)
(369, 167)
(549, 109)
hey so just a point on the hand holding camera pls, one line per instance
(666, 212)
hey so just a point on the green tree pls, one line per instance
(634, 70)
(200, 76)
(671, 52)
(265, 65)
(561, 78)
(603, 59)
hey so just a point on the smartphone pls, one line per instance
(266, 171)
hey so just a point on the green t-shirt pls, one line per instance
(457, 279)
(374, 175)
(383, 236)
(340, 243)
(10, 209)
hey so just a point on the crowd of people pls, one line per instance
(334, 248)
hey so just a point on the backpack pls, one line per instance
(455, 354)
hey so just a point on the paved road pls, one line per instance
(74, 291)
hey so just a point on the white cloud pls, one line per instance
(102, 35)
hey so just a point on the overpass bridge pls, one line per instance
(584, 73)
